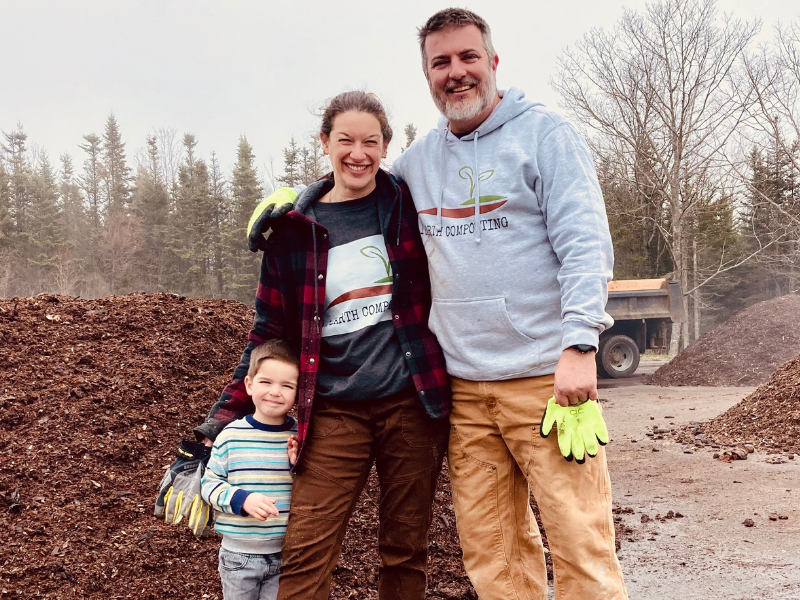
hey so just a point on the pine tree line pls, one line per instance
(104, 228)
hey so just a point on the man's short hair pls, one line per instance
(271, 349)
(452, 18)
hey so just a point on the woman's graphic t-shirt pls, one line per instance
(361, 357)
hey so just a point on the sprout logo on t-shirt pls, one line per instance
(359, 289)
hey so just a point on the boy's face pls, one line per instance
(273, 390)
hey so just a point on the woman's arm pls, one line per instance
(234, 402)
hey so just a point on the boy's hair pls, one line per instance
(271, 349)
(453, 18)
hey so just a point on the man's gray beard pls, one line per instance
(465, 111)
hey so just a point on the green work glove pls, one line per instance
(580, 428)
(269, 210)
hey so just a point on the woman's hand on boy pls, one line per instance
(260, 507)
(292, 446)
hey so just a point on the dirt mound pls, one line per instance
(769, 418)
(743, 351)
(94, 396)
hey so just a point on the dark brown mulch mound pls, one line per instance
(743, 351)
(94, 396)
(769, 418)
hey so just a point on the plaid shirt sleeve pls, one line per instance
(235, 402)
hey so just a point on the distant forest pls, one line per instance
(694, 128)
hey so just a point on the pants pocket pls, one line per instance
(231, 561)
(420, 430)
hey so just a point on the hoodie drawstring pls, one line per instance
(477, 175)
(443, 171)
(316, 276)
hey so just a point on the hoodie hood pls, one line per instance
(511, 105)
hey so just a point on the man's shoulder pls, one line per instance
(540, 119)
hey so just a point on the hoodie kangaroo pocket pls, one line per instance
(479, 340)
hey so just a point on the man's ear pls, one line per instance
(495, 60)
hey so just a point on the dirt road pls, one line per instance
(709, 553)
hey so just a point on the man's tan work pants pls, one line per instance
(495, 454)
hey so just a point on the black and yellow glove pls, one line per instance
(181, 483)
(269, 210)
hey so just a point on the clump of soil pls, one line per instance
(94, 397)
(769, 418)
(743, 351)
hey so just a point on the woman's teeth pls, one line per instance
(357, 167)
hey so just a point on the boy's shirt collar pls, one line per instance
(287, 425)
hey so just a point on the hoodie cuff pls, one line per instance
(576, 332)
(237, 502)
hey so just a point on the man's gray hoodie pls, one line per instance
(523, 272)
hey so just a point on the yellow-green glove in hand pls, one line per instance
(269, 210)
(581, 428)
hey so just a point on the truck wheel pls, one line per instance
(618, 356)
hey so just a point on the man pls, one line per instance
(514, 225)
(520, 256)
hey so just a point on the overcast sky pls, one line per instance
(220, 69)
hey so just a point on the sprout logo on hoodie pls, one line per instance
(487, 203)
(359, 289)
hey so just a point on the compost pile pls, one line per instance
(94, 396)
(743, 351)
(769, 418)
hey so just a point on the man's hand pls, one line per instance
(576, 377)
(260, 507)
(292, 446)
(268, 211)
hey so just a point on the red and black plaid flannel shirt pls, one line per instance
(291, 293)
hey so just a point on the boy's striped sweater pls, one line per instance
(248, 457)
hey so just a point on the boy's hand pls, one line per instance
(292, 446)
(260, 507)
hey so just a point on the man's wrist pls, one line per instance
(583, 348)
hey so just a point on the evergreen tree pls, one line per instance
(92, 178)
(19, 169)
(150, 206)
(194, 216)
(292, 165)
(221, 211)
(6, 223)
(312, 161)
(246, 193)
(45, 227)
(116, 174)
(411, 134)
(72, 256)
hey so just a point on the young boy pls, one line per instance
(248, 480)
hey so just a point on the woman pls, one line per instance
(344, 281)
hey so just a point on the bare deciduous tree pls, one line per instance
(655, 94)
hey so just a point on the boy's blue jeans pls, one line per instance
(249, 576)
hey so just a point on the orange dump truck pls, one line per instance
(644, 311)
